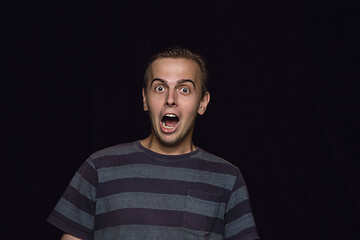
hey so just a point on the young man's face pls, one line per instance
(173, 99)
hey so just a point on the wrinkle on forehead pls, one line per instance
(178, 82)
(175, 69)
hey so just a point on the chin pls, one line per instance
(169, 142)
(172, 139)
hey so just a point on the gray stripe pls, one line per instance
(207, 208)
(89, 160)
(71, 212)
(140, 200)
(209, 157)
(237, 197)
(166, 173)
(160, 202)
(239, 225)
(120, 149)
(83, 186)
(150, 232)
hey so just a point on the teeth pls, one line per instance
(167, 127)
(170, 115)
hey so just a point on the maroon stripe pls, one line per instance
(204, 165)
(143, 158)
(88, 173)
(79, 200)
(204, 195)
(158, 186)
(238, 211)
(131, 216)
(248, 233)
(159, 218)
(203, 223)
(239, 182)
(70, 227)
(120, 160)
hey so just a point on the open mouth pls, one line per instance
(169, 121)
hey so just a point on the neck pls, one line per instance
(153, 144)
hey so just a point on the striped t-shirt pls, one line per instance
(130, 192)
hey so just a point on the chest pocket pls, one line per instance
(201, 211)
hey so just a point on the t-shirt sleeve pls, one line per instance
(75, 211)
(239, 220)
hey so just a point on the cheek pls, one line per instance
(155, 102)
(154, 110)
(191, 108)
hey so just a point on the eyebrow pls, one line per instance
(178, 81)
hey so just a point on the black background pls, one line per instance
(284, 82)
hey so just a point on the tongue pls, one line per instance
(170, 122)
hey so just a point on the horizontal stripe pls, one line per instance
(79, 200)
(83, 186)
(239, 225)
(70, 211)
(157, 186)
(70, 227)
(140, 194)
(159, 218)
(205, 165)
(120, 149)
(91, 164)
(203, 223)
(168, 173)
(248, 233)
(206, 208)
(160, 202)
(151, 232)
(88, 172)
(239, 182)
(140, 200)
(143, 158)
(237, 197)
(239, 210)
(212, 158)
(204, 195)
(139, 216)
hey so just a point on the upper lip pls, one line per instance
(170, 114)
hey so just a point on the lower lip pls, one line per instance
(168, 130)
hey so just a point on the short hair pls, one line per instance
(180, 52)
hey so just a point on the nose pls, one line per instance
(171, 99)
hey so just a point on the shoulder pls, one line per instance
(219, 162)
(202, 154)
(120, 149)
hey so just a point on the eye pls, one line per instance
(185, 90)
(159, 89)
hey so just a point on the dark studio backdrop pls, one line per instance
(284, 82)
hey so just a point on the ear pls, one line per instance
(204, 103)
(146, 108)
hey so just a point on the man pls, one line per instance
(161, 187)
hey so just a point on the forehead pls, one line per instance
(175, 69)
